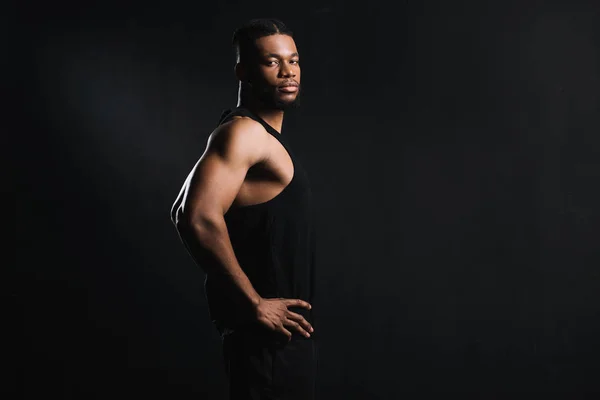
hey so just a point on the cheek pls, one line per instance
(268, 75)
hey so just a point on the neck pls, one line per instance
(271, 116)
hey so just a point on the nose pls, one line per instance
(286, 71)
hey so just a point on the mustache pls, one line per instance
(270, 88)
(262, 86)
(289, 83)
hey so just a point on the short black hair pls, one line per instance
(245, 35)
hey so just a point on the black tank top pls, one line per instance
(274, 242)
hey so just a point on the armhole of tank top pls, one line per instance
(236, 112)
(261, 121)
(244, 112)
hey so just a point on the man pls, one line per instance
(245, 215)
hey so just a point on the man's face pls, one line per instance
(275, 73)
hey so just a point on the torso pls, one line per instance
(264, 181)
(271, 225)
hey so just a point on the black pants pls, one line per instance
(259, 368)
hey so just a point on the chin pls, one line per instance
(272, 98)
(287, 105)
(283, 105)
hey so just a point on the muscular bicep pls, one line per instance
(214, 184)
(217, 177)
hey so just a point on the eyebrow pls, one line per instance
(274, 55)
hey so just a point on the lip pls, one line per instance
(288, 84)
(288, 88)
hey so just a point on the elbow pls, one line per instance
(178, 218)
(174, 217)
(184, 218)
(201, 226)
(183, 222)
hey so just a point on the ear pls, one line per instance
(241, 73)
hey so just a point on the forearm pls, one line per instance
(209, 245)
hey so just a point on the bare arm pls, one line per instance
(207, 194)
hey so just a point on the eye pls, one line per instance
(295, 61)
(271, 63)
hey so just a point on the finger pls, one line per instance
(297, 303)
(296, 326)
(286, 332)
(301, 320)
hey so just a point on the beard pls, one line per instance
(272, 98)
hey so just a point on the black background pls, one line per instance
(453, 148)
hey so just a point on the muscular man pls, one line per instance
(245, 215)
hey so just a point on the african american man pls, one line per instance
(245, 214)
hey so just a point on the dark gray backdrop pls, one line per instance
(453, 148)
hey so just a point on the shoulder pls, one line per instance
(243, 129)
(239, 137)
